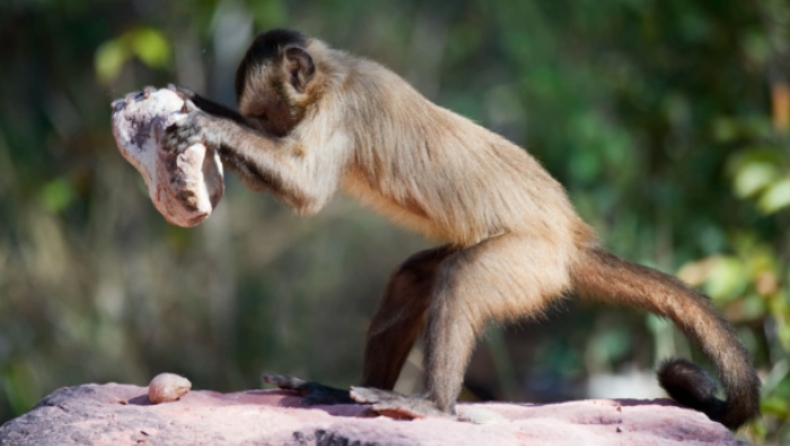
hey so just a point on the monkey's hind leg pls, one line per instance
(312, 393)
(400, 317)
(507, 277)
(393, 330)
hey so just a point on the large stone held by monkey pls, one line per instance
(185, 186)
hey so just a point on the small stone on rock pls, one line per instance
(168, 387)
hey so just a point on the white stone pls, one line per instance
(184, 187)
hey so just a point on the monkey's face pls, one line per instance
(267, 105)
(272, 79)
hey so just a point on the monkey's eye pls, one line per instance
(262, 116)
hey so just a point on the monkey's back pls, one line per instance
(445, 176)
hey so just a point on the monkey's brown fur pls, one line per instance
(314, 120)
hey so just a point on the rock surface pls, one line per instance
(115, 414)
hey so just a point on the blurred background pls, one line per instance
(667, 121)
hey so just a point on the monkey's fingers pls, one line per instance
(182, 92)
(395, 405)
(148, 91)
(189, 106)
(284, 382)
(133, 96)
(117, 105)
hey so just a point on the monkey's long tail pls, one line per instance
(602, 276)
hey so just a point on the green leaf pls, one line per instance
(268, 14)
(585, 166)
(776, 197)
(57, 195)
(755, 154)
(725, 129)
(757, 47)
(109, 59)
(150, 46)
(753, 307)
(20, 386)
(753, 177)
(774, 406)
(612, 345)
(726, 279)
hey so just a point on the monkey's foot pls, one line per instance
(395, 405)
(312, 393)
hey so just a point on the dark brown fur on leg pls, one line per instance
(400, 317)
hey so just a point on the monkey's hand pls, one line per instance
(217, 131)
(194, 128)
(395, 405)
(184, 93)
(312, 393)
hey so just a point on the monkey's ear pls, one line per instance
(300, 67)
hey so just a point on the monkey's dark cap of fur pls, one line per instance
(266, 46)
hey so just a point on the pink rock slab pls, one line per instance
(117, 414)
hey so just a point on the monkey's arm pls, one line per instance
(246, 172)
(209, 106)
(288, 167)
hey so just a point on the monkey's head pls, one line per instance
(274, 80)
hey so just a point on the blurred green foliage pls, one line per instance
(147, 44)
(667, 121)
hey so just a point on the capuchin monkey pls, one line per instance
(313, 120)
